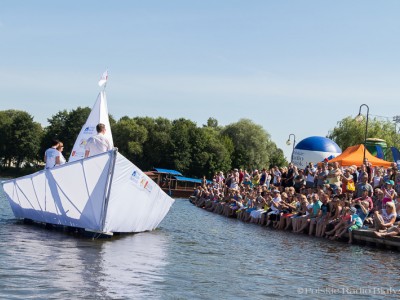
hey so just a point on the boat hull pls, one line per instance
(104, 193)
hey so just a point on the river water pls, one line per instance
(194, 254)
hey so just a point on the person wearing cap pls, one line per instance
(388, 190)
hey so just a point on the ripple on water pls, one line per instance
(194, 254)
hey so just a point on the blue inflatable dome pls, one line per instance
(318, 143)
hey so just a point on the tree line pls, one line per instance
(178, 144)
(148, 142)
(349, 132)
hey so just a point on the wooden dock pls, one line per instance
(367, 236)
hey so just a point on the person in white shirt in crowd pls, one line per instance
(310, 172)
(98, 143)
(52, 155)
(272, 216)
(276, 181)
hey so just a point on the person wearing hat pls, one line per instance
(388, 190)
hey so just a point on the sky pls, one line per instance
(292, 67)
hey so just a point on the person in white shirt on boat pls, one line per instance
(60, 149)
(98, 143)
(52, 155)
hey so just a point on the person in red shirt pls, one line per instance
(241, 175)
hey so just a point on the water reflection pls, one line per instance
(132, 266)
(49, 263)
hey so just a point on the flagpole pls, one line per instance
(104, 87)
(104, 78)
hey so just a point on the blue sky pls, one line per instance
(290, 66)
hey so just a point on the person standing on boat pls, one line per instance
(60, 148)
(52, 155)
(98, 143)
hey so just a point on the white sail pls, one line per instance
(99, 114)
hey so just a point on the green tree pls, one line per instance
(181, 135)
(251, 144)
(211, 152)
(276, 155)
(157, 145)
(129, 137)
(20, 138)
(350, 132)
(212, 122)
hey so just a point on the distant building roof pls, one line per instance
(181, 178)
(166, 171)
(195, 180)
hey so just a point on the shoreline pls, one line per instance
(362, 237)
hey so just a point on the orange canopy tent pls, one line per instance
(354, 156)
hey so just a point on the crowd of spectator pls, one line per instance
(324, 200)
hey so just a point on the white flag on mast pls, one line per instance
(103, 79)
